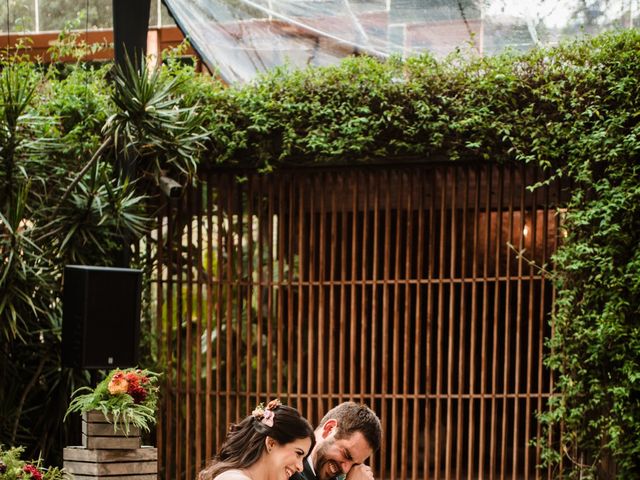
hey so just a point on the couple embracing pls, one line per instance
(277, 443)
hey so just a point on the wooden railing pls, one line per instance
(36, 45)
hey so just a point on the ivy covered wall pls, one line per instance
(574, 110)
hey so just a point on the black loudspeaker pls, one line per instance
(101, 317)
(130, 27)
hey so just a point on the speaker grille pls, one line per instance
(101, 317)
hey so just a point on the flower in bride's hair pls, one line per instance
(258, 412)
(268, 417)
(266, 414)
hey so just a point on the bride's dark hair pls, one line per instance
(245, 441)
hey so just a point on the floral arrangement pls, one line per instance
(13, 468)
(266, 414)
(127, 396)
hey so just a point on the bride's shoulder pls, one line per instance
(232, 475)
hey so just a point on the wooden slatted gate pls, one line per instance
(409, 288)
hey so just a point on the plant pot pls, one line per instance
(99, 432)
(95, 464)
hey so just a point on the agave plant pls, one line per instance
(150, 134)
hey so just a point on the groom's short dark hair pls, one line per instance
(352, 418)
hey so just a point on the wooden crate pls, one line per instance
(108, 453)
(127, 464)
(99, 432)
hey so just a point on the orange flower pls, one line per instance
(118, 384)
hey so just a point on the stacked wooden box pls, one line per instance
(110, 454)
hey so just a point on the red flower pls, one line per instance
(33, 471)
(137, 391)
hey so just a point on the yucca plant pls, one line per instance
(81, 150)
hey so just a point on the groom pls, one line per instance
(347, 435)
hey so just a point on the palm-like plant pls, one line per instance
(56, 207)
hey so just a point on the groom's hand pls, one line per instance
(360, 472)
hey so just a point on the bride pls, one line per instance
(270, 444)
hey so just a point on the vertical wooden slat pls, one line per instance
(346, 325)
(507, 330)
(209, 329)
(494, 441)
(313, 349)
(281, 287)
(518, 334)
(251, 401)
(179, 349)
(200, 281)
(221, 420)
(375, 349)
(473, 361)
(303, 266)
(365, 319)
(259, 285)
(269, 285)
(322, 298)
(461, 321)
(240, 285)
(375, 304)
(353, 357)
(163, 214)
(442, 174)
(229, 289)
(290, 288)
(189, 353)
(330, 179)
(406, 185)
(385, 330)
(484, 374)
(171, 386)
(417, 186)
(452, 257)
(428, 438)
(393, 331)
(533, 252)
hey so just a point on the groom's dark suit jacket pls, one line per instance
(306, 474)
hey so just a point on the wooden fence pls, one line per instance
(410, 288)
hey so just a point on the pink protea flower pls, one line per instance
(268, 417)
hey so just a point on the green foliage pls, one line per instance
(12, 467)
(64, 200)
(504, 108)
(152, 133)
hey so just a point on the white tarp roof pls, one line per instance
(240, 38)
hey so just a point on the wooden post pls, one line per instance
(110, 452)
